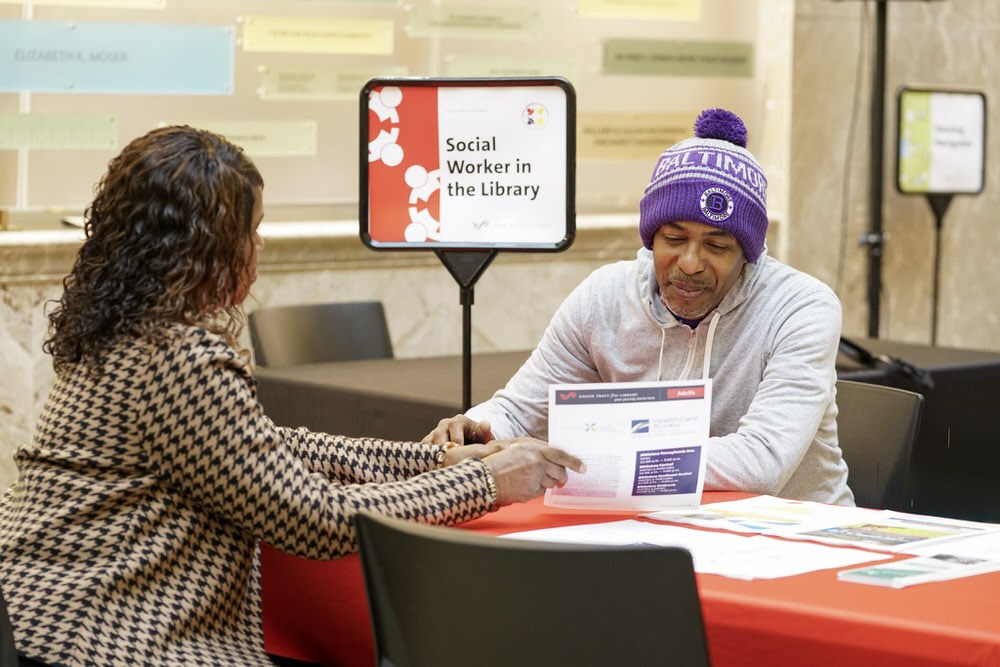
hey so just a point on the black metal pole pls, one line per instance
(937, 280)
(467, 296)
(939, 204)
(466, 267)
(876, 149)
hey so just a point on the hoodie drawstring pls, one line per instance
(708, 346)
(663, 341)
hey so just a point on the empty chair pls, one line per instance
(877, 426)
(8, 656)
(314, 333)
(445, 596)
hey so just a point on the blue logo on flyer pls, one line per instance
(640, 426)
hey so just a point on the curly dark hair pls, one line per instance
(166, 239)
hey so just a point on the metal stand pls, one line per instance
(466, 266)
(875, 238)
(939, 204)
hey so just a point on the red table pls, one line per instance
(316, 610)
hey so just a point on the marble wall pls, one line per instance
(935, 44)
(32, 264)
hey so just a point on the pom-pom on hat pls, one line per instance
(710, 178)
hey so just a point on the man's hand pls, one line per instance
(459, 429)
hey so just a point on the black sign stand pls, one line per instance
(939, 204)
(466, 267)
(465, 258)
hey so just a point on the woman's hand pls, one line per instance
(456, 454)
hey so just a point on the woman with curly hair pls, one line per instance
(131, 536)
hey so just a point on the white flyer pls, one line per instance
(644, 443)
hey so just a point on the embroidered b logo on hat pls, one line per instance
(716, 204)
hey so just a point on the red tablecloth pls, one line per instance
(316, 610)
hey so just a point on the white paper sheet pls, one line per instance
(644, 443)
(767, 515)
(725, 554)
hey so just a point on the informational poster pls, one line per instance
(467, 163)
(644, 443)
(942, 142)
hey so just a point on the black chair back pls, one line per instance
(8, 656)
(877, 426)
(314, 333)
(441, 596)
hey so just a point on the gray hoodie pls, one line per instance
(770, 348)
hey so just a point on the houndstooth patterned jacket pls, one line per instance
(131, 535)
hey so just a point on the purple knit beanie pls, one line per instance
(710, 178)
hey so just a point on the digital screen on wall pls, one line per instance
(942, 140)
(467, 163)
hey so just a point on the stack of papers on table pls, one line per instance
(944, 548)
(882, 530)
(725, 554)
(965, 557)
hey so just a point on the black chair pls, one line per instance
(877, 425)
(314, 333)
(8, 656)
(443, 596)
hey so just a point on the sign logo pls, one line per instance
(716, 204)
(535, 114)
(640, 426)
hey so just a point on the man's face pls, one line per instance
(696, 265)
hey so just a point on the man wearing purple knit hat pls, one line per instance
(702, 299)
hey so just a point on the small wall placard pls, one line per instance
(942, 140)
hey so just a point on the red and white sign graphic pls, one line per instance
(478, 165)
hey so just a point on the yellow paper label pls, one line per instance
(474, 22)
(264, 137)
(478, 66)
(315, 34)
(111, 4)
(58, 130)
(318, 83)
(660, 10)
(630, 136)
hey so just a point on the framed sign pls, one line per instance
(467, 163)
(942, 142)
